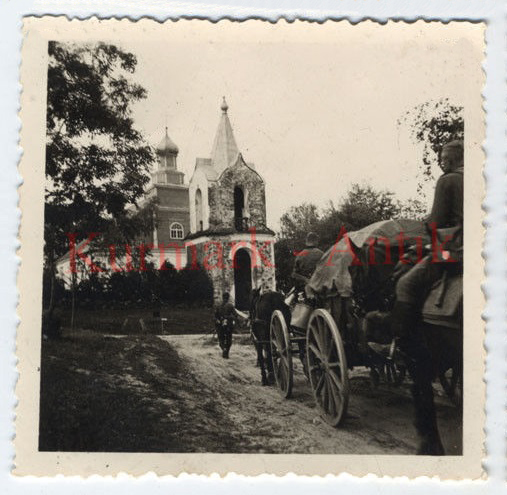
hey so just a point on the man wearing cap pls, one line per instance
(413, 287)
(306, 261)
(225, 319)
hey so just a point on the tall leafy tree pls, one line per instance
(364, 205)
(298, 221)
(97, 163)
(433, 123)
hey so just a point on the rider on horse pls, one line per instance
(413, 287)
(305, 264)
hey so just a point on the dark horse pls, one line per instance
(431, 349)
(262, 307)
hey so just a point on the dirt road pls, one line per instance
(260, 420)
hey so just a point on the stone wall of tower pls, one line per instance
(221, 196)
(216, 254)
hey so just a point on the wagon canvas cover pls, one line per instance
(332, 275)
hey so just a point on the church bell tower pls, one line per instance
(171, 212)
(228, 232)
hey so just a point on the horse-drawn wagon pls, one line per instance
(343, 320)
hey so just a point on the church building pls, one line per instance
(217, 221)
(171, 222)
(228, 232)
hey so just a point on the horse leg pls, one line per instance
(220, 335)
(227, 342)
(260, 360)
(269, 359)
(419, 365)
(426, 419)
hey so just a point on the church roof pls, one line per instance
(167, 145)
(222, 230)
(205, 165)
(225, 150)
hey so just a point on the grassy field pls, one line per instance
(110, 386)
(128, 394)
(126, 321)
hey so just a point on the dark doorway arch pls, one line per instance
(239, 204)
(242, 279)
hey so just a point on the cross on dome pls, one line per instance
(167, 146)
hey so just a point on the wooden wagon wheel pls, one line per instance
(395, 373)
(281, 354)
(396, 370)
(327, 366)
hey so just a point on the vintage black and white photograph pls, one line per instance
(250, 239)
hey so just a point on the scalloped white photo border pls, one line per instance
(494, 104)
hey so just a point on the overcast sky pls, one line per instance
(314, 115)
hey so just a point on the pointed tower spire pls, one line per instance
(224, 106)
(225, 150)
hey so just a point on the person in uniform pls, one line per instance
(447, 212)
(306, 261)
(413, 287)
(225, 320)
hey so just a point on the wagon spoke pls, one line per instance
(330, 348)
(331, 401)
(315, 351)
(314, 334)
(284, 376)
(282, 347)
(320, 382)
(319, 335)
(325, 338)
(279, 372)
(336, 380)
(336, 399)
(326, 386)
(276, 334)
(325, 394)
(329, 344)
(284, 360)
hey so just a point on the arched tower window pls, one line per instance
(176, 231)
(198, 210)
(239, 205)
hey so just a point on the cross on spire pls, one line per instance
(225, 150)
(224, 105)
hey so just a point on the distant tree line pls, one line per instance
(150, 288)
(361, 206)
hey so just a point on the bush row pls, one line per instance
(126, 289)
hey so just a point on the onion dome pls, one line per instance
(167, 146)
